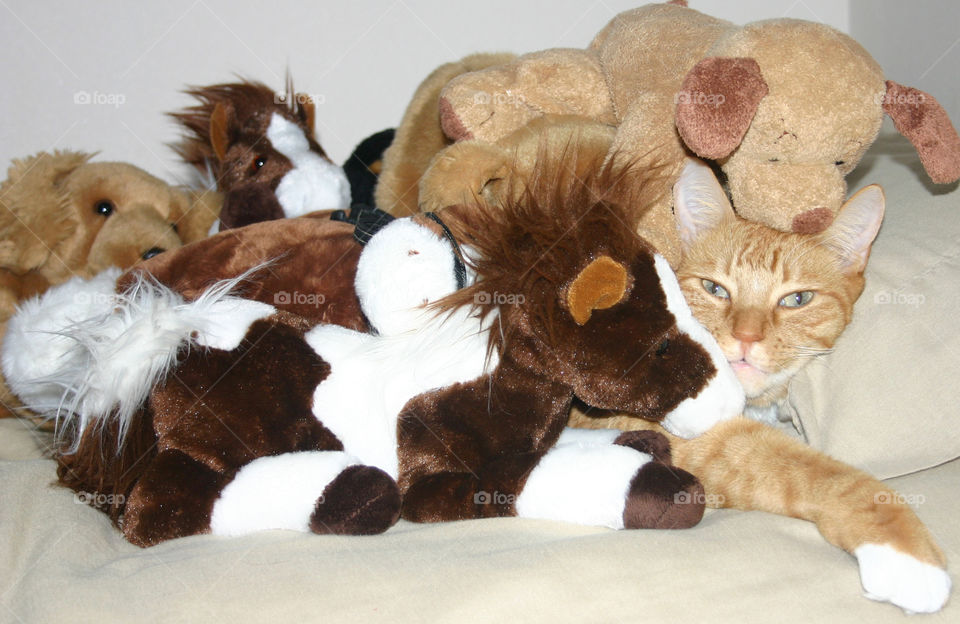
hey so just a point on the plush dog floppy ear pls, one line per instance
(920, 118)
(717, 102)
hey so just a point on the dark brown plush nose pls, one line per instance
(153, 251)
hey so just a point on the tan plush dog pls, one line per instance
(785, 107)
(62, 216)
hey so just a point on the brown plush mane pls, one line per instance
(247, 98)
(571, 208)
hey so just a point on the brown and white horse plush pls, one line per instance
(260, 149)
(226, 415)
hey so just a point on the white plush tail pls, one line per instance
(96, 363)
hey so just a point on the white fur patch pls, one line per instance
(86, 353)
(723, 397)
(373, 376)
(584, 481)
(403, 267)
(888, 575)
(314, 183)
(276, 492)
(37, 342)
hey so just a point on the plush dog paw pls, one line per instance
(888, 575)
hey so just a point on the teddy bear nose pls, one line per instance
(812, 221)
(153, 251)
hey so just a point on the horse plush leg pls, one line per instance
(173, 498)
(319, 491)
(612, 480)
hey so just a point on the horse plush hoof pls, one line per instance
(653, 443)
(663, 497)
(362, 500)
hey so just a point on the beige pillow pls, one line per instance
(888, 398)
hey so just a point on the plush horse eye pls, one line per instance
(715, 289)
(259, 162)
(663, 346)
(104, 207)
(797, 299)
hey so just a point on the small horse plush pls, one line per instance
(235, 416)
(259, 146)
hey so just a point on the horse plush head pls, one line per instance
(260, 148)
(562, 262)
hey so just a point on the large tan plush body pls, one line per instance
(786, 108)
(63, 216)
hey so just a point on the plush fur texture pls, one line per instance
(786, 107)
(63, 216)
(311, 271)
(259, 147)
(468, 422)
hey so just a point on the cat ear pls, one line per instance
(851, 234)
(699, 202)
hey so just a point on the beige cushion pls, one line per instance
(64, 562)
(886, 400)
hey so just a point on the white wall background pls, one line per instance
(363, 59)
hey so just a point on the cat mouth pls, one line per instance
(742, 365)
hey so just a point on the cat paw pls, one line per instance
(888, 575)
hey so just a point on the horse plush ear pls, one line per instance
(601, 285)
(920, 118)
(716, 104)
(220, 130)
(307, 112)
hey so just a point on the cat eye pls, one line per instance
(104, 207)
(715, 289)
(797, 299)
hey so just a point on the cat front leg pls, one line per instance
(746, 465)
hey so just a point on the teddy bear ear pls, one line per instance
(716, 104)
(920, 118)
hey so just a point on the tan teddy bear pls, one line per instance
(62, 216)
(785, 107)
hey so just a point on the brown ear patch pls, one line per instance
(602, 284)
(220, 131)
(920, 118)
(716, 104)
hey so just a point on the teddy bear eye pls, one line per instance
(104, 207)
(840, 163)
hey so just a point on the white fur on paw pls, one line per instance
(888, 575)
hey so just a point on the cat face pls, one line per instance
(773, 300)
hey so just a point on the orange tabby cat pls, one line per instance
(773, 300)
